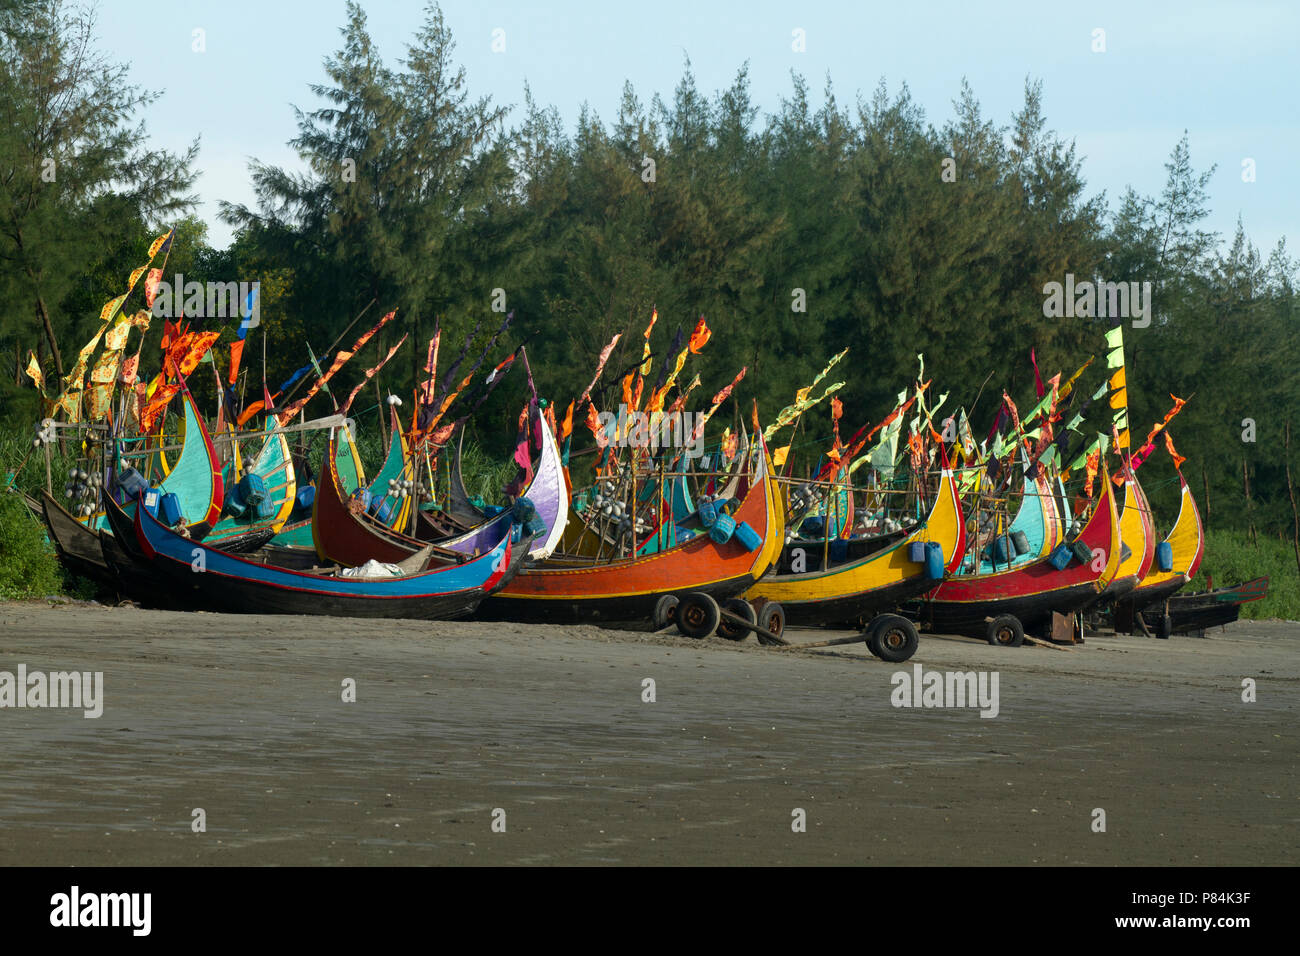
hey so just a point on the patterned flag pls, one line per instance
(370, 373)
(322, 382)
(646, 365)
(34, 371)
(600, 367)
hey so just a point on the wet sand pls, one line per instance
(243, 717)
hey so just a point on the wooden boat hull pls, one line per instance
(1195, 612)
(344, 537)
(963, 603)
(207, 578)
(1137, 540)
(574, 589)
(77, 545)
(860, 589)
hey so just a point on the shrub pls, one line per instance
(1231, 558)
(28, 564)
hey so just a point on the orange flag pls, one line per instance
(699, 338)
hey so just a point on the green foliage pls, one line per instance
(77, 183)
(28, 565)
(1231, 557)
(905, 234)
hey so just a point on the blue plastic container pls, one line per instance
(305, 498)
(1020, 541)
(1060, 558)
(169, 510)
(1165, 556)
(916, 551)
(1001, 549)
(747, 536)
(839, 550)
(152, 497)
(934, 561)
(723, 528)
(234, 507)
(708, 513)
(132, 483)
(252, 489)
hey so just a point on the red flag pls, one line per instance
(1038, 379)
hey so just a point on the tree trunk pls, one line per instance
(44, 315)
(1290, 490)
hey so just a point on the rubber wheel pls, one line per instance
(771, 618)
(1005, 631)
(740, 608)
(1165, 627)
(893, 639)
(697, 615)
(869, 632)
(665, 612)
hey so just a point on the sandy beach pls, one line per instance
(243, 717)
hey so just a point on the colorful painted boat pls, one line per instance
(274, 465)
(1137, 542)
(859, 587)
(203, 577)
(1186, 543)
(968, 604)
(582, 589)
(345, 535)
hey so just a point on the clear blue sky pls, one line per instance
(1227, 72)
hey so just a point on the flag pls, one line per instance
(162, 244)
(34, 371)
(370, 373)
(600, 367)
(339, 360)
(1150, 443)
(646, 365)
(700, 337)
(236, 353)
(151, 286)
(1038, 379)
(157, 405)
(1178, 459)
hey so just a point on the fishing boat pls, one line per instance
(862, 578)
(1137, 542)
(343, 533)
(1001, 606)
(430, 586)
(1178, 559)
(1193, 613)
(640, 589)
